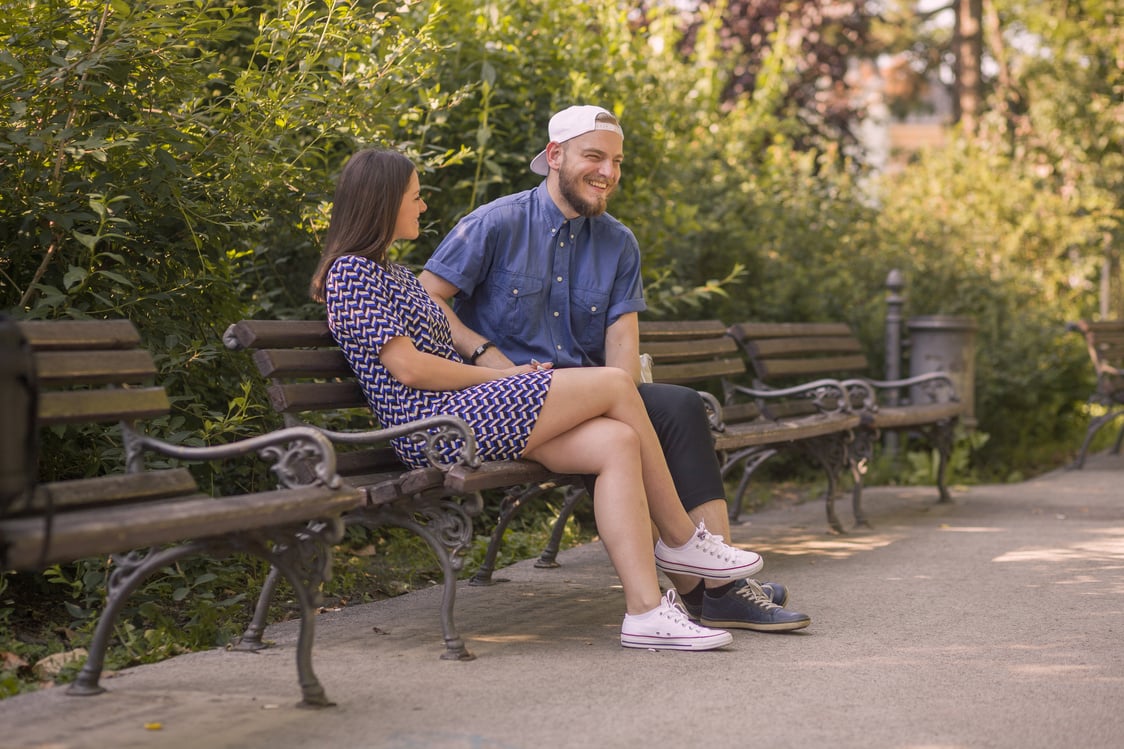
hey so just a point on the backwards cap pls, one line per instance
(570, 123)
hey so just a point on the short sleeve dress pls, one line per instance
(368, 304)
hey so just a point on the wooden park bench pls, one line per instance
(781, 354)
(1105, 343)
(311, 383)
(95, 372)
(751, 424)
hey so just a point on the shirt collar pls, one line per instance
(552, 215)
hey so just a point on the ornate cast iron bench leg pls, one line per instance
(750, 458)
(512, 501)
(447, 529)
(129, 571)
(548, 559)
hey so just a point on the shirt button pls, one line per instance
(559, 279)
(561, 244)
(593, 308)
(556, 314)
(559, 347)
(515, 291)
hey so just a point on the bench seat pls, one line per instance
(91, 372)
(311, 383)
(780, 354)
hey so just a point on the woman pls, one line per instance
(573, 421)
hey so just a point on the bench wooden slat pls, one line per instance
(778, 432)
(752, 330)
(94, 367)
(106, 490)
(316, 396)
(494, 475)
(651, 331)
(302, 363)
(108, 530)
(77, 406)
(391, 486)
(46, 335)
(769, 368)
(669, 351)
(697, 371)
(260, 334)
(777, 347)
(371, 460)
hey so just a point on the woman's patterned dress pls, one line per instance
(368, 304)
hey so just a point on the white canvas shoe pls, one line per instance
(705, 555)
(667, 627)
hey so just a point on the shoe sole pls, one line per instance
(655, 643)
(757, 627)
(732, 574)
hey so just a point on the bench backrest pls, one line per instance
(781, 353)
(311, 382)
(701, 354)
(1104, 341)
(94, 371)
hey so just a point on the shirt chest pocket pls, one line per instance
(520, 300)
(588, 309)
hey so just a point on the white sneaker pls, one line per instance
(705, 555)
(667, 627)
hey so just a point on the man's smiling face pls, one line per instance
(589, 168)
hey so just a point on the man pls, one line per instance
(547, 275)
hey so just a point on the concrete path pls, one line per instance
(993, 621)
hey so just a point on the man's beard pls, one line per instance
(569, 185)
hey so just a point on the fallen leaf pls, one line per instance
(48, 668)
(11, 661)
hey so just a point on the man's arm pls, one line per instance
(622, 345)
(465, 339)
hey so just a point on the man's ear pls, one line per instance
(554, 155)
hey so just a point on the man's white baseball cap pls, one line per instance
(570, 123)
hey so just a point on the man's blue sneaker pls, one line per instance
(777, 593)
(750, 607)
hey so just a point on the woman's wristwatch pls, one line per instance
(480, 351)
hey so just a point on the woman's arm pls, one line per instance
(465, 339)
(423, 371)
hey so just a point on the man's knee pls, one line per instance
(674, 407)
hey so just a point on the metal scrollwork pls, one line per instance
(437, 440)
(451, 526)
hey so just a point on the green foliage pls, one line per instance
(173, 163)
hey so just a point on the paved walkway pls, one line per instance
(993, 621)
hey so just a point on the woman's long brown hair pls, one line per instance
(364, 210)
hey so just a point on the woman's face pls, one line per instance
(408, 225)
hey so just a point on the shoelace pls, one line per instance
(713, 545)
(753, 591)
(671, 608)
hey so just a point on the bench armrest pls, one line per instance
(292, 451)
(937, 386)
(827, 395)
(432, 430)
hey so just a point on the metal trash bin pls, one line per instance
(941, 343)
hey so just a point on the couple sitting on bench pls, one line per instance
(573, 405)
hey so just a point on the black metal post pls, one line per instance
(894, 301)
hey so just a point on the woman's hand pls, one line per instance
(534, 366)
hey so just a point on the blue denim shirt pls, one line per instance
(537, 285)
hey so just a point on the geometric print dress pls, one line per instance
(367, 305)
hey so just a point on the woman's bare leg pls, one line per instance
(610, 449)
(579, 395)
